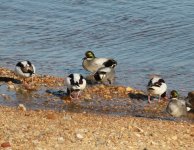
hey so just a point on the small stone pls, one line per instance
(87, 97)
(79, 136)
(121, 89)
(67, 117)
(51, 116)
(22, 107)
(153, 143)
(35, 142)
(6, 97)
(135, 128)
(11, 86)
(5, 144)
(60, 140)
(174, 137)
(138, 135)
(100, 141)
(128, 89)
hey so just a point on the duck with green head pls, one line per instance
(92, 63)
(176, 107)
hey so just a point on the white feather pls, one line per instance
(76, 79)
(156, 90)
(21, 73)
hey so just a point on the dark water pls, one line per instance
(145, 37)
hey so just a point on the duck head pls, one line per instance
(174, 94)
(89, 54)
(98, 76)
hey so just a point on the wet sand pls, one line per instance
(115, 117)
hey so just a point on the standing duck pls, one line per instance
(92, 63)
(104, 75)
(156, 87)
(75, 84)
(25, 69)
(176, 107)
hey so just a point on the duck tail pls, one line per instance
(110, 63)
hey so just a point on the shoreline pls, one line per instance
(75, 128)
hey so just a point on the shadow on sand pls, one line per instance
(8, 79)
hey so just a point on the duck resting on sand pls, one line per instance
(177, 107)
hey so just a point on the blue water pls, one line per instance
(145, 37)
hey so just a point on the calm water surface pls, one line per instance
(145, 37)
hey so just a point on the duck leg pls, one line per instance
(159, 98)
(149, 98)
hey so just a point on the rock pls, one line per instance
(79, 136)
(11, 86)
(174, 137)
(100, 141)
(135, 128)
(128, 89)
(121, 89)
(6, 97)
(153, 143)
(22, 107)
(51, 116)
(5, 145)
(87, 97)
(60, 140)
(35, 142)
(67, 117)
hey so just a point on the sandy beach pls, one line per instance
(43, 130)
(40, 129)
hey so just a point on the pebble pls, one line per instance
(67, 117)
(6, 97)
(128, 89)
(5, 145)
(100, 141)
(11, 86)
(22, 107)
(60, 140)
(174, 137)
(79, 136)
(35, 142)
(51, 116)
(135, 128)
